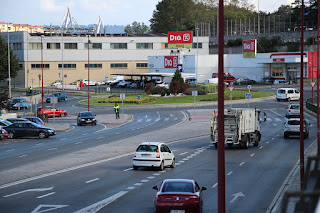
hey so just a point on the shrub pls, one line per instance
(149, 87)
(157, 90)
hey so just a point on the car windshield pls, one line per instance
(294, 107)
(281, 91)
(177, 187)
(147, 148)
(37, 125)
(294, 122)
(86, 114)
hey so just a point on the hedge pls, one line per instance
(128, 100)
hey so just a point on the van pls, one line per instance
(288, 94)
(211, 81)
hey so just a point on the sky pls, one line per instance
(113, 12)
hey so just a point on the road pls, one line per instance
(253, 176)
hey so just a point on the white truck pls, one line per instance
(241, 127)
(115, 79)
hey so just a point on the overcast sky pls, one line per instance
(113, 12)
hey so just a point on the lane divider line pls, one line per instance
(93, 180)
(46, 195)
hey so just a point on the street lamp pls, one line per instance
(27, 55)
(42, 77)
(197, 54)
(62, 76)
(9, 60)
(88, 74)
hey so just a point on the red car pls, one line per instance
(3, 132)
(179, 194)
(50, 111)
(227, 77)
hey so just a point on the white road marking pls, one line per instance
(148, 120)
(278, 119)
(156, 174)
(252, 155)
(46, 195)
(151, 177)
(10, 150)
(183, 153)
(101, 204)
(84, 133)
(90, 181)
(267, 142)
(181, 161)
(52, 149)
(47, 208)
(22, 156)
(175, 119)
(99, 138)
(104, 128)
(185, 159)
(260, 147)
(236, 195)
(39, 144)
(241, 163)
(139, 120)
(166, 119)
(215, 185)
(272, 138)
(63, 139)
(162, 171)
(229, 173)
(138, 184)
(144, 181)
(133, 129)
(117, 133)
(78, 142)
(127, 169)
(177, 164)
(30, 190)
(276, 113)
(131, 187)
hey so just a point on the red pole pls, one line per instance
(318, 102)
(221, 157)
(42, 79)
(301, 101)
(88, 76)
(312, 63)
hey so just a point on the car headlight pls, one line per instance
(93, 119)
(50, 131)
(82, 119)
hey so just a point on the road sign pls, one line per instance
(231, 89)
(65, 76)
(139, 97)
(312, 83)
(248, 95)
(108, 89)
(249, 86)
(106, 77)
(122, 96)
(194, 93)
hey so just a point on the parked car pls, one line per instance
(227, 78)
(56, 83)
(244, 81)
(62, 96)
(153, 154)
(51, 111)
(292, 127)
(179, 195)
(18, 103)
(101, 83)
(28, 129)
(3, 133)
(293, 110)
(15, 120)
(86, 83)
(86, 117)
(36, 120)
(280, 82)
(4, 123)
(125, 83)
(288, 94)
(75, 82)
(268, 80)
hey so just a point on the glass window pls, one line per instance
(93, 46)
(194, 45)
(144, 45)
(17, 46)
(38, 66)
(178, 187)
(120, 65)
(34, 46)
(290, 91)
(118, 45)
(72, 46)
(53, 46)
(142, 65)
(68, 66)
(147, 148)
(277, 71)
(93, 65)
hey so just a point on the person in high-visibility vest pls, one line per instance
(117, 110)
(30, 90)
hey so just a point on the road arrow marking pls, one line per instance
(236, 195)
(47, 208)
(30, 190)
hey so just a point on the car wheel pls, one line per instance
(42, 135)
(95, 123)
(62, 115)
(161, 166)
(246, 142)
(173, 163)
(10, 135)
(285, 135)
(135, 168)
(289, 99)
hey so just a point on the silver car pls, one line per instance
(292, 127)
(293, 110)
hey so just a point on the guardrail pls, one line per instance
(310, 106)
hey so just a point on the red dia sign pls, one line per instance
(249, 48)
(278, 60)
(171, 62)
(180, 39)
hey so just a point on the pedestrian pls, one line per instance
(30, 90)
(117, 110)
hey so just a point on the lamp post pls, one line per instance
(9, 60)
(318, 93)
(88, 74)
(197, 55)
(62, 60)
(27, 55)
(42, 78)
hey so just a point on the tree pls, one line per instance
(177, 77)
(177, 83)
(137, 28)
(14, 63)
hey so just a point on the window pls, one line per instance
(93, 65)
(34, 46)
(17, 46)
(20, 66)
(118, 45)
(93, 45)
(194, 45)
(277, 71)
(67, 66)
(164, 45)
(120, 65)
(142, 65)
(53, 46)
(144, 46)
(71, 46)
(38, 66)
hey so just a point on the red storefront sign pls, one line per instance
(171, 62)
(249, 48)
(278, 60)
(180, 39)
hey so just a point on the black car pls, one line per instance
(28, 129)
(244, 81)
(86, 117)
(14, 120)
(36, 120)
(4, 123)
(62, 96)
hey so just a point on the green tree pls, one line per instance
(177, 77)
(14, 63)
(137, 28)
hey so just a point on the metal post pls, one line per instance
(197, 55)
(42, 95)
(301, 101)
(88, 75)
(221, 156)
(27, 55)
(258, 19)
(62, 61)
(9, 61)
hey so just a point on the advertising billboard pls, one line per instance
(180, 39)
(171, 62)
(249, 48)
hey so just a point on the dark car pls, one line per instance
(28, 129)
(18, 103)
(62, 96)
(35, 120)
(179, 194)
(86, 117)
(14, 120)
(244, 81)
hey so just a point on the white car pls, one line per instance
(293, 110)
(92, 82)
(153, 154)
(56, 83)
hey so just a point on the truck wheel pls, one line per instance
(257, 139)
(246, 143)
